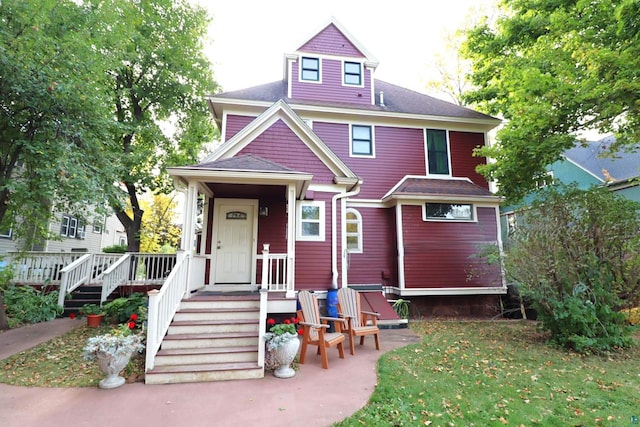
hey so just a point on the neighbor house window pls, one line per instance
(97, 227)
(353, 73)
(437, 152)
(71, 227)
(449, 211)
(311, 221)
(361, 140)
(6, 233)
(122, 241)
(310, 69)
(354, 231)
(544, 179)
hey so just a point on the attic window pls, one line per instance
(310, 69)
(353, 73)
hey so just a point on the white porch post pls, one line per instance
(191, 209)
(291, 240)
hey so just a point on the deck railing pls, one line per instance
(163, 305)
(117, 274)
(40, 267)
(276, 270)
(74, 275)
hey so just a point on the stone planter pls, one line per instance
(112, 365)
(284, 355)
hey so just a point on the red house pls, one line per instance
(331, 178)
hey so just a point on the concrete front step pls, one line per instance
(224, 339)
(192, 356)
(212, 326)
(228, 314)
(203, 372)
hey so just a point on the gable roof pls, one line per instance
(247, 162)
(333, 22)
(281, 111)
(396, 100)
(426, 188)
(623, 165)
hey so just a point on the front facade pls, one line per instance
(348, 180)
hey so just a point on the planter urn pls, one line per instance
(284, 355)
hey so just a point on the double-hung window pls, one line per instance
(311, 221)
(437, 152)
(71, 227)
(310, 69)
(362, 141)
(352, 73)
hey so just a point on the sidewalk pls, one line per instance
(314, 397)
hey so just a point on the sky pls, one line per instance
(248, 38)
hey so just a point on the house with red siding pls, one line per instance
(331, 178)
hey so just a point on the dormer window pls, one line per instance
(310, 69)
(353, 73)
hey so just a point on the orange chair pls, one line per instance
(359, 323)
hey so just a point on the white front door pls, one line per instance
(235, 241)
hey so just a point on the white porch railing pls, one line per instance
(163, 305)
(74, 275)
(41, 267)
(117, 274)
(276, 271)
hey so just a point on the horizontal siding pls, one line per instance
(235, 124)
(331, 41)
(313, 259)
(281, 145)
(379, 249)
(438, 254)
(331, 88)
(463, 163)
(399, 152)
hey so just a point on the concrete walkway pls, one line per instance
(314, 397)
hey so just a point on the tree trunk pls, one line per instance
(131, 225)
(4, 324)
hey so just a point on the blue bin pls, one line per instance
(332, 303)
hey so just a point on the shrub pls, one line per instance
(25, 304)
(576, 257)
(120, 309)
(115, 249)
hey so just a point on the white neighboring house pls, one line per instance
(75, 235)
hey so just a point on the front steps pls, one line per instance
(211, 338)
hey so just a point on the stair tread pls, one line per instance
(214, 322)
(206, 350)
(211, 335)
(219, 310)
(204, 367)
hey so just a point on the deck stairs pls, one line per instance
(211, 338)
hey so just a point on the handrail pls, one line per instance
(277, 271)
(264, 291)
(74, 275)
(117, 274)
(163, 305)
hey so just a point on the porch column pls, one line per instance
(291, 239)
(189, 229)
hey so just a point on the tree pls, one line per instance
(576, 257)
(55, 152)
(162, 76)
(159, 231)
(553, 69)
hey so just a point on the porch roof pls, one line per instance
(244, 169)
(427, 188)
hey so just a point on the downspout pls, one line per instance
(334, 243)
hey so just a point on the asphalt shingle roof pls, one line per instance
(623, 165)
(247, 162)
(441, 187)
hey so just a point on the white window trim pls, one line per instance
(319, 204)
(7, 236)
(474, 212)
(73, 227)
(426, 153)
(373, 142)
(359, 249)
(64, 225)
(344, 61)
(300, 79)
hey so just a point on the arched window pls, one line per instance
(354, 231)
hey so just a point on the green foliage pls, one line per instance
(6, 277)
(25, 304)
(115, 249)
(401, 306)
(91, 309)
(576, 258)
(120, 309)
(159, 233)
(551, 70)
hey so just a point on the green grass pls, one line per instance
(59, 363)
(499, 373)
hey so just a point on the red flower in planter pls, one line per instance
(132, 325)
(287, 322)
(271, 321)
(72, 315)
(134, 317)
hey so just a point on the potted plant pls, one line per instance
(283, 343)
(94, 314)
(113, 352)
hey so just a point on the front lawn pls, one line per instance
(500, 373)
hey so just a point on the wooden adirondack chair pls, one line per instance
(315, 329)
(359, 323)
